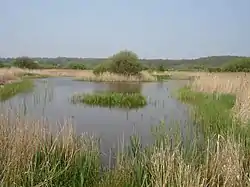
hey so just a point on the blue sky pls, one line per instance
(98, 28)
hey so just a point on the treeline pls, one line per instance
(236, 65)
(210, 64)
(90, 63)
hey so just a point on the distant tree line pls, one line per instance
(125, 60)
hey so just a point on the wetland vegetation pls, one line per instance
(211, 148)
(112, 99)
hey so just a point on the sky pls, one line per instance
(172, 29)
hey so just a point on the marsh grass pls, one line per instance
(32, 156)
(9, 90)
(213, 111)
(112, 99)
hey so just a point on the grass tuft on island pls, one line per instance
(11, 89)
(112, 99)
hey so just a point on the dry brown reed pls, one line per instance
(223, 166)
(10, 74)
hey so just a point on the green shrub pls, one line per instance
(101, 68)
(161, 68)
(125, 62)
(78, 66)
(112, 99)
(26, 62)
(239, 65)
(2, 65)
(214, 69)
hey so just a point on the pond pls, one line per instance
(50, 100)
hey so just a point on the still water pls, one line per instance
(50, 100)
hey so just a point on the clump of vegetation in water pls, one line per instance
(112, 99)
(9, 90)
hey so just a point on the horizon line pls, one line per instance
(74, 57)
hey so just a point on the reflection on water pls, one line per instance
(51, 100)
(125, 87)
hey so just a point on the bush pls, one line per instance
(214, 69)
(125, 62)
(26, 62)
(239, 65)
(161, 68)
(101, 68)
(78, 66)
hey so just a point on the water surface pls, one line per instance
(51, 100)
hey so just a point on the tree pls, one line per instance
(125, 62)
(25, 62)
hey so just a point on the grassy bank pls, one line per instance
(9, 90)
(112, 99)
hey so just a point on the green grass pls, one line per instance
(34, 76)
(9, 90)
(214, 115)
(112, 99)
(212, 111)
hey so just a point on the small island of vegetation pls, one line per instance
(112, 99)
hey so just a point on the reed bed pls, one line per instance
(231, 83)
(33, 156)
(112, 99)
